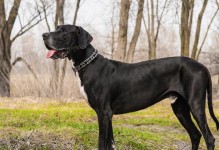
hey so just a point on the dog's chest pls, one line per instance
(81, 88)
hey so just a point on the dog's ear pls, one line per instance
(84, 38)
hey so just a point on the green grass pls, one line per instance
(53, 125)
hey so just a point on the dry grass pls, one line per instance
(25, 85)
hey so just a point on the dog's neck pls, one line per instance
(78, 56)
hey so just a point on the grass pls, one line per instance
(55, 125)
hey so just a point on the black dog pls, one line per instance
(113, 87)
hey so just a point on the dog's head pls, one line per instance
(65, 40)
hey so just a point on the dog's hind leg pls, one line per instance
(198, 111)
(182, 112)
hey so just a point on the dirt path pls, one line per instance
(13, 139)
(177, 144)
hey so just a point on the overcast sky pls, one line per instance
(95, 15)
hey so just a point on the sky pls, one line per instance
(91, 16)
(95, 17)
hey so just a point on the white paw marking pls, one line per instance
(113, 145)
(173, 99)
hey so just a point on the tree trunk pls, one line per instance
(5, 64)
(5, 46)
(153, 25)
(152, 51)
(63, 70)
(198, 29)
(59, 20)
(6, 26)
(135, 36)
(206, 33)
(113, 43)
(217, 93)
(185, 30)
(76, 12)
(123, 29)
(186, 25)
(113, 25)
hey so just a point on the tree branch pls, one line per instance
(134, 40)
(76, 12)
(198, 29)
(152, 19)
(145, 25)
(191, 16)
(159, 20)
(22, 31)
(217, 3)
(20, 59)
(45, 14)
(12, 15)
(206, 34)
(2, 15)
(19, 19)
(27, 29)
(149, 20)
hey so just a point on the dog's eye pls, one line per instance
(57, 27)
(62, 29)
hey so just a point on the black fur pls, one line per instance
(114, 87)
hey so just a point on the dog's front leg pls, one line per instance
(106, 140)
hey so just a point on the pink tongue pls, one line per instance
(50, 53)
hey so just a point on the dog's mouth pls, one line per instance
(55, 54)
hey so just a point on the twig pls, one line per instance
(22, 31)
(206, 34)
(19, 59)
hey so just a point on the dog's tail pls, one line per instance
(210, 105)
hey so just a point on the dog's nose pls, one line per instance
(45, 35)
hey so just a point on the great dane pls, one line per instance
(113, 87)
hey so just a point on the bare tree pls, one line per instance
(186, 25)
(59, 20)
(137, 30)
(198, 50)
(6, 26)
(76, 11)
(20, 59)
(198, 29)
(154, 18)
(59, 69)
(113, 23)
(123, 28)
(63, 69)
